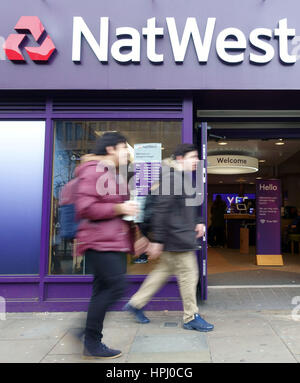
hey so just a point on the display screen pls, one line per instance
(234, 198)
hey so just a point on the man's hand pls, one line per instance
(154, 250)
(200, 229)
(141, 246)
(127, 208)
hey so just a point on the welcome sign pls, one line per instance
(268, 235)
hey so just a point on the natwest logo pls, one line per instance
(29, 25)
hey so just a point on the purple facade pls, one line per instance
(166, 45)
(44, 292)
(176, 54)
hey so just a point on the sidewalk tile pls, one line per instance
(171, 357)
(249, 349)
(24, 351)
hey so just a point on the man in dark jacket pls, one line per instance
(176, 227)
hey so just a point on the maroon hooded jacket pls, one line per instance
(100, 227)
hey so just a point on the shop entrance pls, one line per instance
(231, 224)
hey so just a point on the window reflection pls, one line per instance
(73, 139)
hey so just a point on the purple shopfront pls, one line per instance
(70, 71)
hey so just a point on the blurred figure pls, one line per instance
(175, 229)
(294, 227)
(218, 210)
(103, 236)
(293, 212)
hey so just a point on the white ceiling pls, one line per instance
(273, 155)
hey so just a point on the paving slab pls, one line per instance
(24, 351)
(249, 349)
(288, 330)
(170, 347)
(117, 339)
(238, 325)
(174, 357)
(34, 329)
(77, 358)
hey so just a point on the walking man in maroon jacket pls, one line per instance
(103, 236)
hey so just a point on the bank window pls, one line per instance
(72, 140)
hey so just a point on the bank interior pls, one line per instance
(231, 251)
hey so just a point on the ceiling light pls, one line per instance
(280, 142)
(258, 178)
(222, 143)
(241, 180)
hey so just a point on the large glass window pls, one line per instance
(21, 174)
(76, 138)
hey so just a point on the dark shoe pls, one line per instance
(138, 313)
(198, 324)
(99, 351)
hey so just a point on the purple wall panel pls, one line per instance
(83, 290)
(67, 290)
(19, 291)
(65, 306)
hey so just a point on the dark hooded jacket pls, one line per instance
(175, 215)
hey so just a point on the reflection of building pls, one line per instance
(74, 139)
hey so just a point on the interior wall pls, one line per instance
(291, 190)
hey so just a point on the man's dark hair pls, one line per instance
(108, 139)
(183, 149)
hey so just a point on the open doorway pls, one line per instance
(276, 146)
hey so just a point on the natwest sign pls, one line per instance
(231, 43)
(150, 45)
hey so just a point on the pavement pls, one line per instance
(252, 324)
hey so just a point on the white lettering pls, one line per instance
(2, 308)
(80, 28)
(230, 200)
(223, 44)
(231, 43)
(118, 373)
(134, 43)
(151, 32)
(262, 45)
(295, 315)
(283, 33)
(268, 187)
(191, 29)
